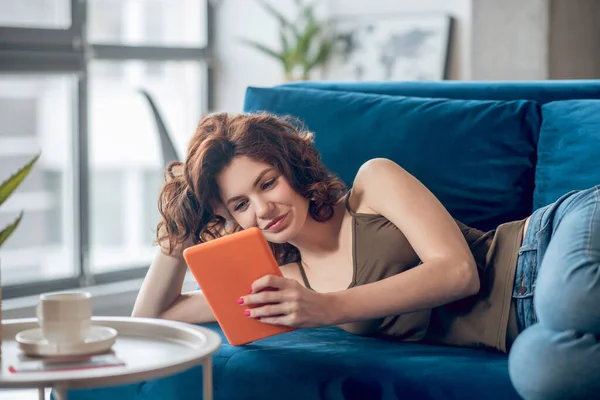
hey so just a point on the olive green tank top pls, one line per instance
(381, 250)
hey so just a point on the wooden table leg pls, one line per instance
(206, 379)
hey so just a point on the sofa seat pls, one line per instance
(329, 363)
(334, 365)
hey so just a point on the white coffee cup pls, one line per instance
(65, 317)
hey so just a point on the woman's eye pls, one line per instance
(240, 206)
(268, 183)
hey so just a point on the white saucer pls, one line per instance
(99, 340)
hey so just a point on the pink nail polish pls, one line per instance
(250, 289)
(247, 313)
(240, 301)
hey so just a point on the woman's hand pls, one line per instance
(283, 301)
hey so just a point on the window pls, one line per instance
(36, 112)
(90, 201)
(125, 152)
(148, 23)
(55, 14)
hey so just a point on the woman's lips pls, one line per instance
(276, 224)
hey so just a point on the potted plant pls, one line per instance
(305, 43)
(6, 189)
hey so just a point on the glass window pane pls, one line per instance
(126, 168)
(148, 23)
(37, 113)
(52, 14)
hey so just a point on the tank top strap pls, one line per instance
(303, 273)
(350, 211)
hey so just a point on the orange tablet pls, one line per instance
(224, 269)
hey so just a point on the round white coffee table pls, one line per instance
(150, 349)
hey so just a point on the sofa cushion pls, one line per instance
(568, 149)
(476, 156)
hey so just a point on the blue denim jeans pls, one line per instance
(557, 298)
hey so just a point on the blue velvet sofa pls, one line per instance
(491, 151)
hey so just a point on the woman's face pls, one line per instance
(258, 195)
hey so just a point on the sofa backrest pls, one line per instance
(539, 91)
(474, 144)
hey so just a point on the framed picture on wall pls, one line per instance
(404, 47)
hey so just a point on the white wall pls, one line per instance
(519, 31)
(237, 66)
(535, 39)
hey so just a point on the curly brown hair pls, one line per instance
(190, 193)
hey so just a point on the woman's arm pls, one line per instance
(448, 271)
(160, 295)
(420, 288)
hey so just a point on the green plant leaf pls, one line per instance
(285, 44)
(9, 185)
(275, 13)
(7, 231)
(264, 49)
(322, 56)
(307, 11)
(304, 42)
(287, 53)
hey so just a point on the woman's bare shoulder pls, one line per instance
(372, 176)
(355, 198)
